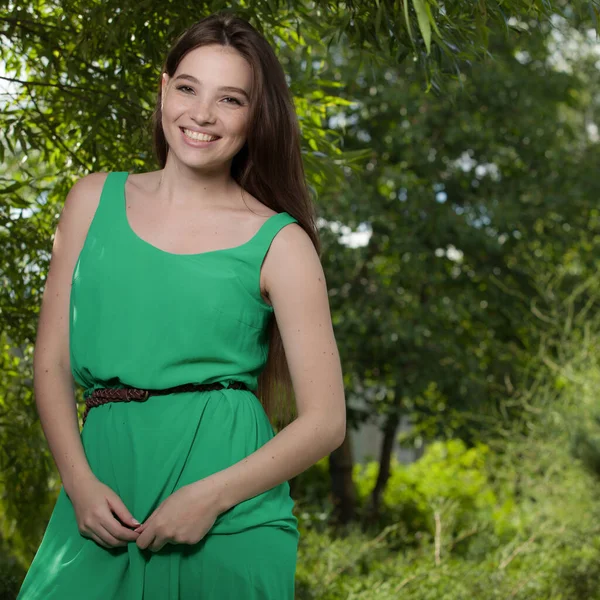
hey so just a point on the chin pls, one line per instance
(212, 166)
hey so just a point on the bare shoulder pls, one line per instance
(78, 211)
(292, 258)
(84, 194)
(88, 183)
(292, 240)
(79, 208)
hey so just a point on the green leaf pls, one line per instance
(423, 20)
(432, 19)
(355, 155)
(13, 187)
(407, 20)
(18, 202)
(378, 18)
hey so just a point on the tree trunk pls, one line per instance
(342, 484)
(385, 457)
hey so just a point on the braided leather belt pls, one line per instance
(127, 394)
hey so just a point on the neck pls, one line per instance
(183, 186)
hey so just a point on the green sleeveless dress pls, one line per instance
(143, 317)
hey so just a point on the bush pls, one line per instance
(514, 519)
(11, 576)
(447, 490)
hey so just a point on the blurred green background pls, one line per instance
(453, 151)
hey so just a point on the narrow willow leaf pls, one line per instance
(423, 20)
(356, 155)
(272, 6)
(481, 27)
(378, 18)
(432, 19)
(407, 19)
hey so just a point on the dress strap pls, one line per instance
(111, 207)
(264, 237)
(108, 216)
(113, 187)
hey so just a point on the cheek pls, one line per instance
(167, 114)
(240, 125)
(175, 107)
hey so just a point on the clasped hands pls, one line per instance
(185, 517)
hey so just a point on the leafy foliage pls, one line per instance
(480, 199)
(520, 520)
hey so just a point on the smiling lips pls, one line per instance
(199, 137)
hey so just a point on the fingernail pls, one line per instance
(135, 522)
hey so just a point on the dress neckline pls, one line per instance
(188, 254)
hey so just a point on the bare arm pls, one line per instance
(95, 503)
(297, 289)
(53, 384)
(295, 283)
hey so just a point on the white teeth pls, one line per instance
(201, 137)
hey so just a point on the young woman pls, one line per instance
(187, 302)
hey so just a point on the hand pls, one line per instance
(185, 517)
(94, 504)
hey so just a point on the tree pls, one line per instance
(83, 77)
(476, 203)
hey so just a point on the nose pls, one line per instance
(203, 111)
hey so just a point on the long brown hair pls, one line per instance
(269, 166)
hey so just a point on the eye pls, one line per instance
(232, 99)
(186, 87)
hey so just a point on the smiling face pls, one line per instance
(206, 107)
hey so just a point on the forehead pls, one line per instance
(217, 65)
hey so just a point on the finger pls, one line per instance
(118, 531)
(108, 537)
(92, 536)
(158, 544)
(146, 523)
(117, 506)
(145, 539)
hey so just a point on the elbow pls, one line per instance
(331, 431)
(339, 440)
(338, 435)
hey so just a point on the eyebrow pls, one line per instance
(226, 88)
